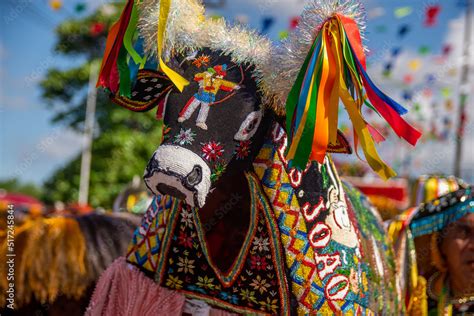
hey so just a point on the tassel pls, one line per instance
(334, 70)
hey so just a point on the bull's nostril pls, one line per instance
(194, 177)
(169, 190)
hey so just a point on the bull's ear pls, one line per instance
(149, 90)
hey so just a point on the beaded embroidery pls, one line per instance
(147, 239)
(324, 274)
(256, 281)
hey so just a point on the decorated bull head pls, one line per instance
(214, 122)
(223, 95)
(219, 87)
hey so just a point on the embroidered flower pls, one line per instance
(184, 240)
(258, 262)
(269, 305)
(242, 150)
(212, 150)
(184, 137)
(231, 298)
(205, 282)
(195, 288)
(187, 217)
(185, 265)
(260, 284)
(174, 282)
(202, 60)
(261, 244)
(248, 295)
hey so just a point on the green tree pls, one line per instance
(15, 186)
(124, 141)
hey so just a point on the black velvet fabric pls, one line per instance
(224, 118)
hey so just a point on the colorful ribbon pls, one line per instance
(335, 61)
(108, 75)
(120, 54)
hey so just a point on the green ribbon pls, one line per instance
(293, 96)
(125, 87)
(128, 38)
(306, 143)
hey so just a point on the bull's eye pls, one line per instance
(249, 126)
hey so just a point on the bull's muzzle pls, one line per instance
(178, 172)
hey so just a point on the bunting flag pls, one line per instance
(80, 7)
(403, 30)
(334, 70)
(408, 79)
(56, 4)
(414, 64)
(402, 12)
(447, 48)
(294, 21)
(424, 50)
(396, 51)
(267, 23)
(431, 15)
(120, 54)
(376, 13)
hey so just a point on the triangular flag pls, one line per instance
(402, 12)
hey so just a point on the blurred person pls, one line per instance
(434, 247)
(451, 288)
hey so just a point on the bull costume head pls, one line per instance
(219, 115)
(217, 119)
(222, 96)
(217, 85)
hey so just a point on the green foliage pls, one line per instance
(124, 141)
(76, 36)
(15, 186)
(117, 156)
(65, 90)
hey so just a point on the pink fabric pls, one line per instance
(124, 290)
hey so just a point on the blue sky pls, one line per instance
(32, 148)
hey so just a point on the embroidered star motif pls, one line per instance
(184, 137)
(212, 150)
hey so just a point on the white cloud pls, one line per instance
(17, 102)
(41, 158)
(62, 144)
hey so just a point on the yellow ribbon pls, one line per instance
(353, 109)
(176, 78)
